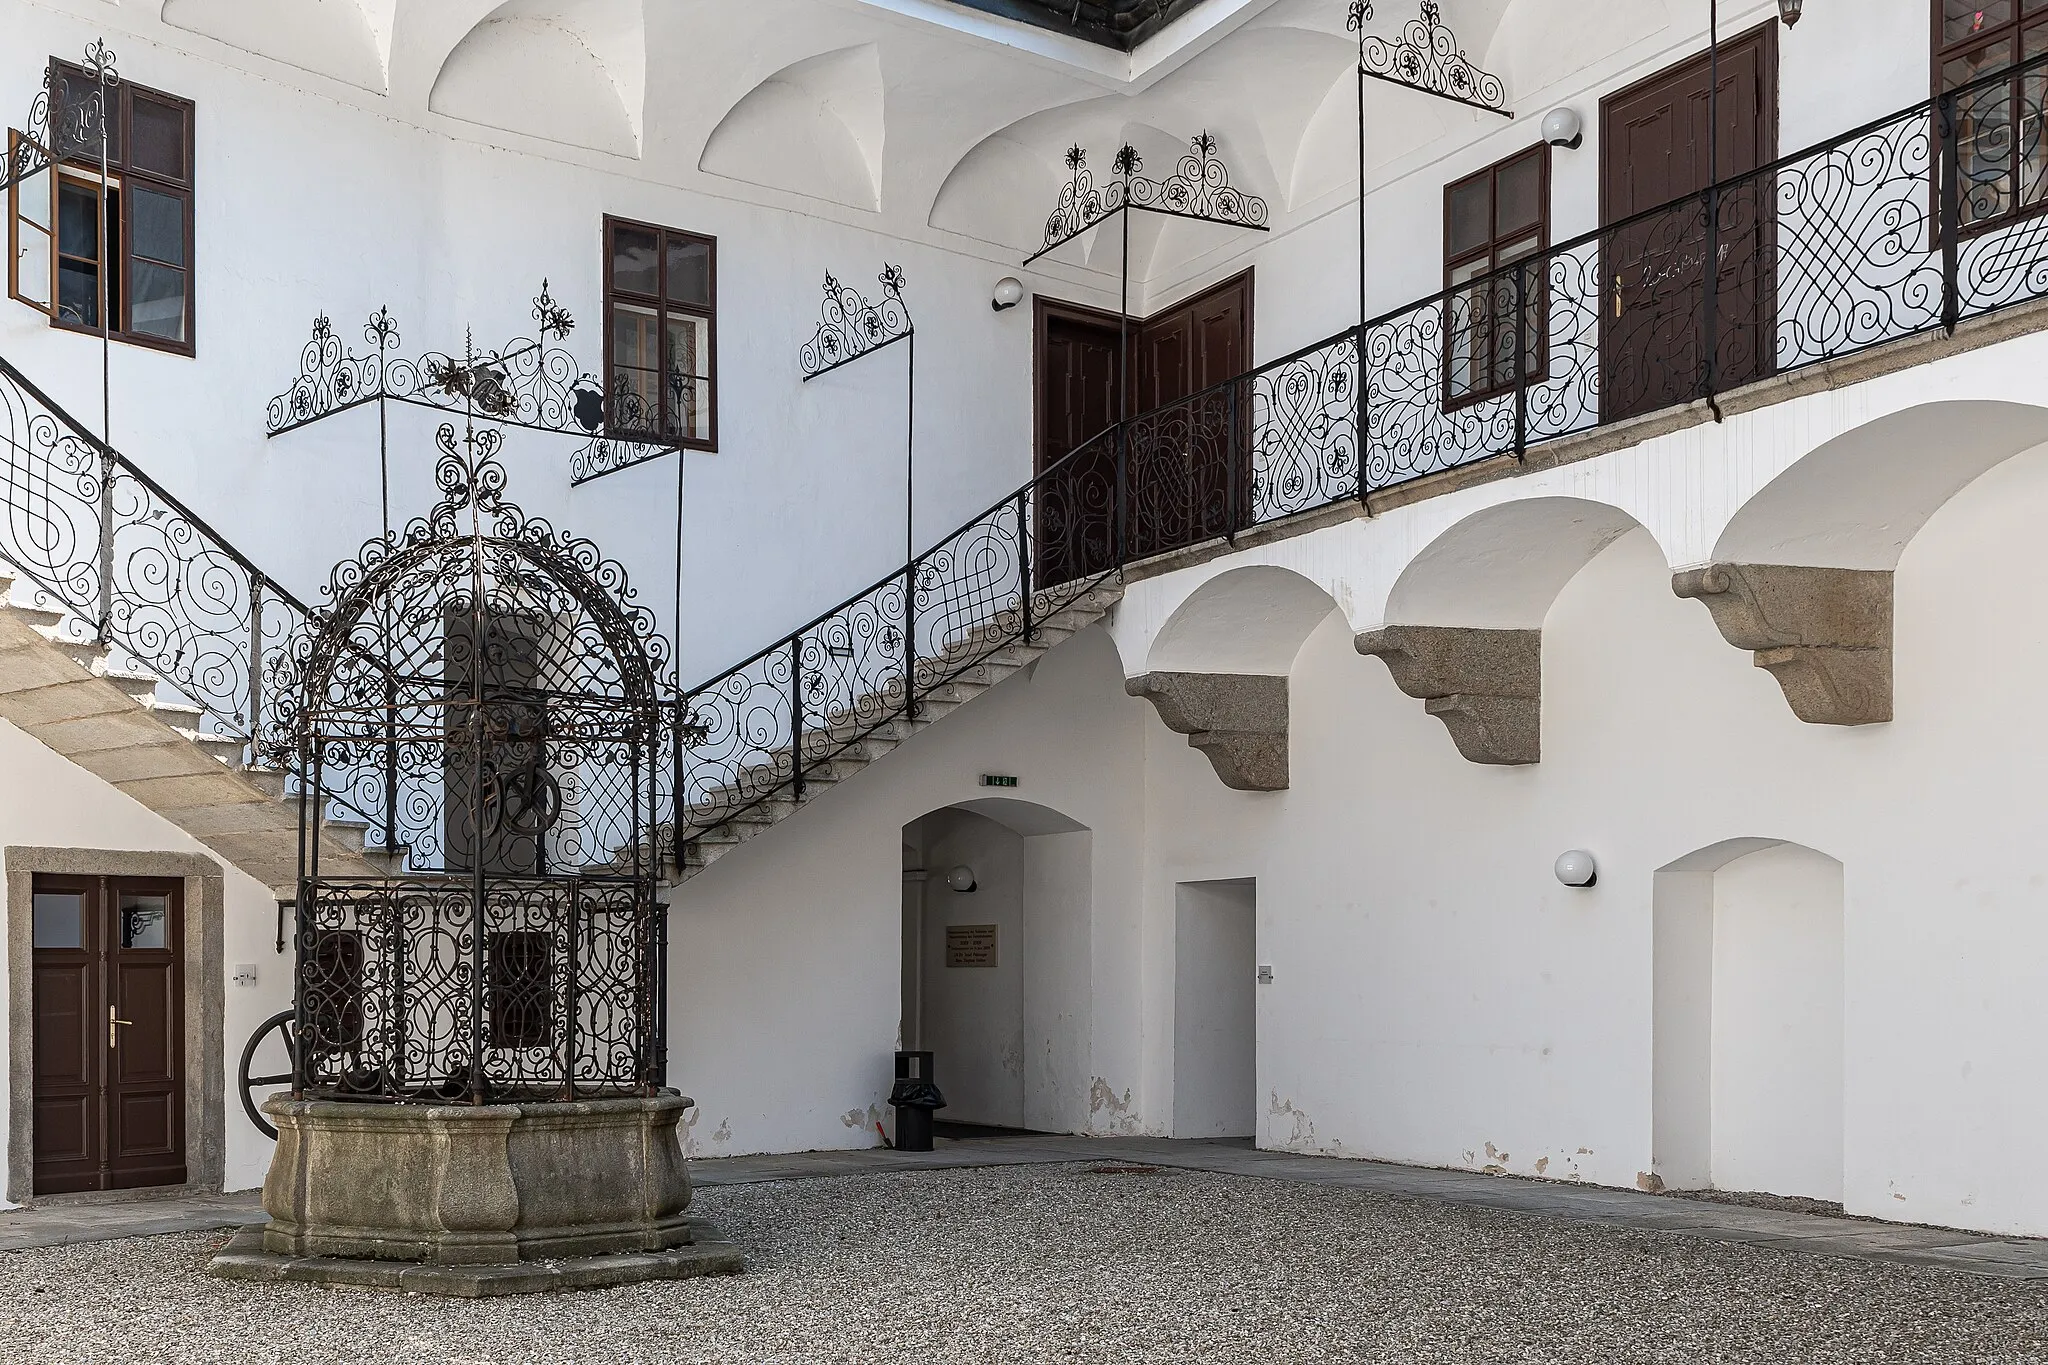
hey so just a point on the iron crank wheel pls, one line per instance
(280, 1024)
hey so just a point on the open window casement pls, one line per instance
(31, 223)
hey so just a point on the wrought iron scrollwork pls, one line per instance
(57, 126)
(530, 382)
(487, 689)
(1426, 57)
(1199, 188)
(850, 326)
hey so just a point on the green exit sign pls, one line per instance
(997, 780)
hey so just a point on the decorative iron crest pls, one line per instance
(1199, 188)
(850, 326)
(51, 123)
(1426, 57)
(532, 382)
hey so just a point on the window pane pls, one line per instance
(1985, 146)
(635, 402)
(634, 260)
(157, 229)
(78, 220)
(60, 919)
(689, 272)
(689, 346)
(78, 293)
(1471, 215)
(145, 920)
(1975, 65)
(1518, 196)
(76, 118)
(157, 137)
(158, 305)
(1961, 18)
(689, 409)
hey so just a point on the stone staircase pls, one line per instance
(109, 718)
(984, 657)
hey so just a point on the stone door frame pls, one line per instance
(205, 1004)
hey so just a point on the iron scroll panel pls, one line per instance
(1426, 56)
(852, 327)
(534, 383)
(392, 1005)
(1199, 188)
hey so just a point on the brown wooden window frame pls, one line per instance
(2025, 20)
(664, 307)
(1495, 275)
(74, 167)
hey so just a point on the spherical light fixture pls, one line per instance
(1009, 293)
(1577, 868)
(1790, 10)
(961, 878)
(1562, 127)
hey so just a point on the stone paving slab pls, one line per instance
(61, 1223)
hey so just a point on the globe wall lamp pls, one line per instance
(1562, 127)
(1009, 293)
(961, 879)
(1577, 869)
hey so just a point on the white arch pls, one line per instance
(1501, 568)
(816, 127)
(1250, 620)
(349, 40)
(569, 71)
(1856, 501)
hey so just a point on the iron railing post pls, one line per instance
(1232, 479)
(796, 716)
(1521, 363)
(1361, 401)
(1950, 210)
(255, 666)
(1024, 560)
(1123, 494)
(570, 933)
(1710, 291)
(106, 548)
(910, 640)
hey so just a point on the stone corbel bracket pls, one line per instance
(1238, 719)
(1824, 634)
(1486, 686)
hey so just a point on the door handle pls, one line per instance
(114, 1038)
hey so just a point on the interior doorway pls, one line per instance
(1215, 1052)
(998, 909)
(1654, 145)
(1186, 463)
(1747, 1030)
(108, 1074)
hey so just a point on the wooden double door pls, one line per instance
(1186, 454)
(109, 1011)
(1655, 155)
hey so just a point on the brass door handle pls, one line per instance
(113, 1038)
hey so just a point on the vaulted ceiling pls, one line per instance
(921, 115)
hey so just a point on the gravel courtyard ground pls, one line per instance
(1069, 1263)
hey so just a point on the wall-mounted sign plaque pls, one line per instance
(970, 945)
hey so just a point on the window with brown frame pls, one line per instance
(661, 334)
(2001, 161)
(1492, 220)
(56, 243)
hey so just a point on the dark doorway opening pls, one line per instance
(108, 1089)
(1654, 150)
(1184, 461)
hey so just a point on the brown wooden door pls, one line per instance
(109, 1008)
(1075, 508)
(1189, 462)
(1654, 144)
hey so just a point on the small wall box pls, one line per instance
(997, 780)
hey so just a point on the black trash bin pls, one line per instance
(915, 1097)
